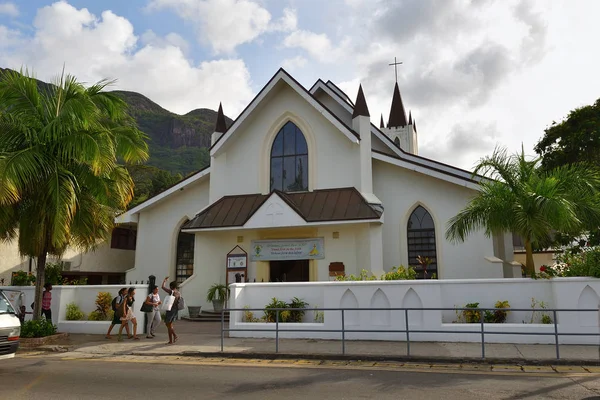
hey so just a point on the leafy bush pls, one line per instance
(103, 311)
(363, 276)
(399, 273)
(497, 316)
(471, 316)
(249, 316)
(98, 316)
(74, 313)
(271, 314)
(37, 328)
(297, 315)
(22, 278)
(53, 273)
(585, 263)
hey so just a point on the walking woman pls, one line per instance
(171, 314)
(153, 300)
(128, 314)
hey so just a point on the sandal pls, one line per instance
(136, 338)
(175, 339)
(107, 337)
(149, 337)
(169, 343)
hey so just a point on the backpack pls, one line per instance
(114, 304)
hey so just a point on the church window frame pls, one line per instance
(289, 150)
(184, 257)
(421, 241)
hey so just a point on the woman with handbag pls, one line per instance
(150, 307)
(171, 313)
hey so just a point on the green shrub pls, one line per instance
(98, 316)
(37, 328)
(297, 315)
(400, 273)
(271, 314)
(22, 278)
(498, 316)
(471, 316)
(585, 263)
(53, 273)
(74, 313)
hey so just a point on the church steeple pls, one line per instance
(221, 125)
(360, 106)
(381, 124)
(397, 113)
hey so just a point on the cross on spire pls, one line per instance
(395, 64)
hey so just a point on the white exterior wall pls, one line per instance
(85, 298)
(242, 166)
(561, 293)
(158, 228)
(103, 259)
(401, 190)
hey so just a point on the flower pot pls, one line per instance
(194, 311)
(218, 305)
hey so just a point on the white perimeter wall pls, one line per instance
(563, 293)
(85, 298)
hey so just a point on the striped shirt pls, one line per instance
(46, 300)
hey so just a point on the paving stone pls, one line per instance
(569, 369)
(507, 368)
(538, 368)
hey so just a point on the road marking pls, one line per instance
(34, 382)
(466, 369)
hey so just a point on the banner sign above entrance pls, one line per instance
(287, 249)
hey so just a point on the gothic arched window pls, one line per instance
(184, 263)
(289, 160)
(421, 243)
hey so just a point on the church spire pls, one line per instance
(381, 124)
(360, 105)
(410, 121)
(221, 125)
(397, 113)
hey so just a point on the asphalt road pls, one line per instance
(46, 377)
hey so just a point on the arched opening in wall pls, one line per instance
(289, 160)
(184, 262)
(397, 141)
(422, 254)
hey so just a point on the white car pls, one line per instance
(10, 328)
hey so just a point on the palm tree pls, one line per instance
(518, 196)
(60, 179)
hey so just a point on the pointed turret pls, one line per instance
(415, 125)
(381, 124)
(397, 113)
(221, 125)
(410, 121)
(360, 105)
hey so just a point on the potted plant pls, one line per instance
(217, 294)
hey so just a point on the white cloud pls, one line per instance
(9, 9)
(8, 37)
(317, 45)
(293, 64)
(93, 48)
(171, 39)
(223, 24)
(287, 23)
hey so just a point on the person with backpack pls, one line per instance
(128, 315)
(171, 314)
(117, 307)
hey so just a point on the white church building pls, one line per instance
(303, 187)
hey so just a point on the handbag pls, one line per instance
(146, 307)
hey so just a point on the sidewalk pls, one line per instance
(204, 340)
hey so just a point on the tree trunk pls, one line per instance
(529, 263)
(39, 285)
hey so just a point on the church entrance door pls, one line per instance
(289, 271)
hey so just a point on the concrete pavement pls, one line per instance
(204, 340)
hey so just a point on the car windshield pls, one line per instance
(5, 306)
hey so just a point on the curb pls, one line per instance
(335, 357)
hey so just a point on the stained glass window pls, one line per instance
(289, 160)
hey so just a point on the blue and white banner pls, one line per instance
(287, 249)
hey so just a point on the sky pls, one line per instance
(475, 74)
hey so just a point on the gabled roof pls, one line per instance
(283, 76)
(131, 215)
(424, 165)
(327, 205)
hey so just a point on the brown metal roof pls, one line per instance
(318, 206)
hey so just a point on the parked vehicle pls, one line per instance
(10, 328)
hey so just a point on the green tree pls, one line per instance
(60, 181)
(517, 195)
(575, 139)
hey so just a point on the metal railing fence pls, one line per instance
(407, 330)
